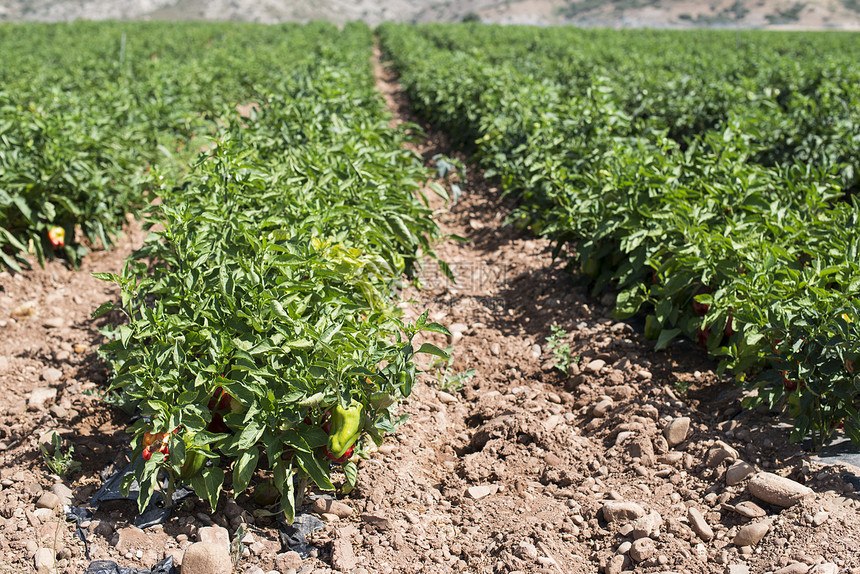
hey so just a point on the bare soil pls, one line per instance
(509, 473)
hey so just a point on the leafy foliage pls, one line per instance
(263, 295)
(710, 179)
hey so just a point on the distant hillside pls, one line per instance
(780, 14)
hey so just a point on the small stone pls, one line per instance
(825, 568)
(749, 509)
(447, 398)
(232, 510)
(480, 491)
(752, 533)
(288, 561)
(52, 375)
(25, 310)
(777, 490)
(624, 547)
(615, 564)
(676, 431)
(495, 348)
(43, 514)
(526, 550)
(738, 472)
(39, 396)
(600, 409)
(44, 561)
(458, 328)
(719, 453)
(207, 558)
(796, 568)
(323, 505)
(257, 548)
(697, 521)
(215, 535)
(820, 518)
(48, 500)
(642, 549)
(54, 322)
(621, 510)
(105, 530)
(647, 526)
(595, 366)
(737, 569)
(380, 522)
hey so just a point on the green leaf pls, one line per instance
(244, 469)
(436, 328)
(207, 485)
(311, 466)
(350, 469)
(431, 349)
(666, 337)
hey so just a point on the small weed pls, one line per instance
(560, 349)
(59, 462)
(682, 386)
(446, 377)
(236, 546)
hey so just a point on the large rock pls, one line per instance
(777, 490)
(288, 561)
(214, 535)
(752, 533)
(44, 561)
(642, 549)
(676, 431)
(48, 500)
(796, 568)
(700, 526)
(622, 510)
(342, 555)
(39, 396)
(131, 538)
(207, 558)
(329, 506)
(720, 452)
(738, 472)
(647, 526)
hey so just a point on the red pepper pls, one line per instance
(342, 459)
(147, 454)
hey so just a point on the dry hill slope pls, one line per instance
(781, 14)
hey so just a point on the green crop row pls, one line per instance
(261, 337)
(709, 179)
(86, 110)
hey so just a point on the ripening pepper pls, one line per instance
(57, 236)
(345, 428)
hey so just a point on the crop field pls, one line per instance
(235, 276)
(710, 179)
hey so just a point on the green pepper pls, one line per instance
(194, 460)
(652, 328)
(345, 428)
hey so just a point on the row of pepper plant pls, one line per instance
(710, 179)
(87, 109)
(261, 346)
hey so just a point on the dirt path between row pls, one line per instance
(631, 461)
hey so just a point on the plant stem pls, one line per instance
(300, 492)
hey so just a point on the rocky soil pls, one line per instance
(627, 460)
